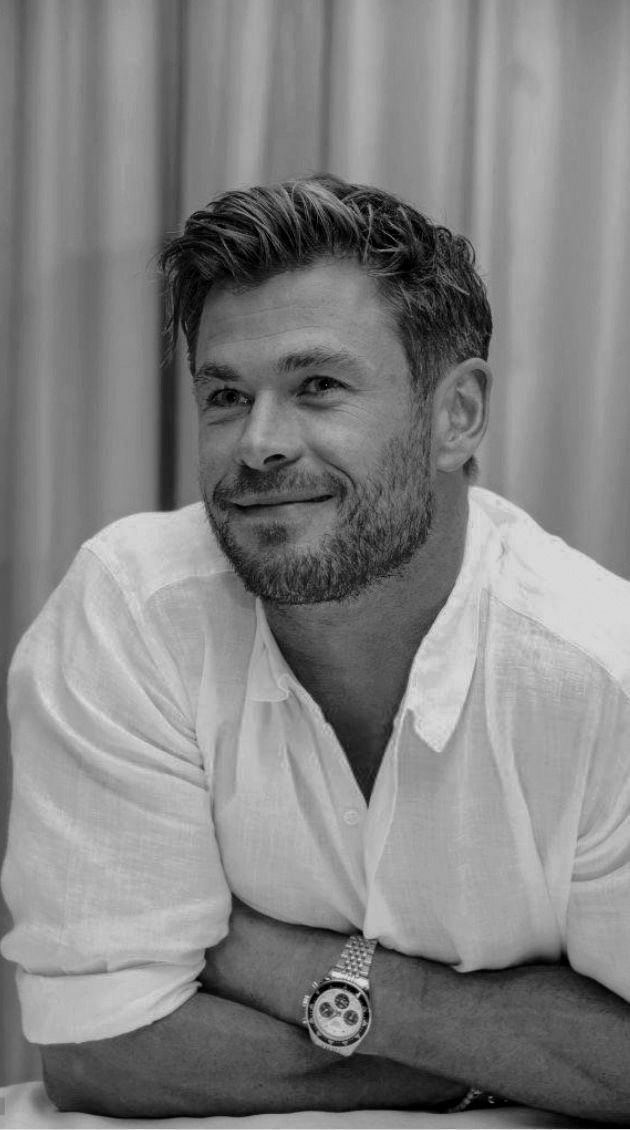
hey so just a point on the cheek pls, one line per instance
(358, 451)
(214, 451)
(348, 438)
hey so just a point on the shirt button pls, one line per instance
(351, 816)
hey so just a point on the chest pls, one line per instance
(443, 861)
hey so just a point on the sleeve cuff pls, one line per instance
(94, 1006)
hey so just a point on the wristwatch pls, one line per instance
(337, 1012)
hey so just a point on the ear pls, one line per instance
(460, 413)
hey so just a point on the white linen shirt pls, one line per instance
(165, 755)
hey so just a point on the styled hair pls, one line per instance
(425, 274)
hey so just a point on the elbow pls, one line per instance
(103, 1077)
(60, 1074)
(67, 1080)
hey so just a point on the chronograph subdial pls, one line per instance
(339, 1011)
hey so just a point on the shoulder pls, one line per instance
(155, 598)
(180, 588)
(555, 594)
(153, 551)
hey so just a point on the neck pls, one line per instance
(381, 628)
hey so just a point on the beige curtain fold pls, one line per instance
(551, 219)
(82, 342)
(506, 119)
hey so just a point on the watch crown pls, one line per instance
(315, 984)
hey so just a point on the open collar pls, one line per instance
(443, 667)
(269, 676)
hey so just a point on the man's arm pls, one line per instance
(215, 1057)
(541, 1035)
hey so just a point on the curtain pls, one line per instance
(505, 119)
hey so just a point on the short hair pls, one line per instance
(425, 274)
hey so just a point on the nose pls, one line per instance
(270, 436)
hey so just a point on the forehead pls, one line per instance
(330, 303)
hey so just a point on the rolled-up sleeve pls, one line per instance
(112, 874)
(598, 918)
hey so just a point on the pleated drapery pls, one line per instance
(505, 119)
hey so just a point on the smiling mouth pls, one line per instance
(278, 503)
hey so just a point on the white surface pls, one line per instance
(27, 1106)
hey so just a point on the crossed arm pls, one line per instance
(542, 1035)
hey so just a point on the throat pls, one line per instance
(361, 711)
(364, 742)
(357, 677)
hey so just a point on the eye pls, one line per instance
(319, 386)
(227, 398)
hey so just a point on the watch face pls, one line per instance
(339, 1012)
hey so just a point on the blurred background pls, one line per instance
(508, 120)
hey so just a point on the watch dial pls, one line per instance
(339, 1015)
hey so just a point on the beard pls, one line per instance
(380, 526)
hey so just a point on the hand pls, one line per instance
(267, 964)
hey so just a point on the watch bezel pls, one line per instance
(362, 998)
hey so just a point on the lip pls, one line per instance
(276, 501)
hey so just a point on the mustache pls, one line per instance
(250, 482)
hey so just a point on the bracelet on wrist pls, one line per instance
(476, 1099)
(471, 1094)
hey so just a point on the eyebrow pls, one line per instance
(311, 358)
(288, 363)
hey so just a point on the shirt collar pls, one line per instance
(443, 667)
(269, 676)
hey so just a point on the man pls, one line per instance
(372, 724)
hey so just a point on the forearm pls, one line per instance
(542, 1035)
(216, 1057)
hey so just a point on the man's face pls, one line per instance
(314, 450)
